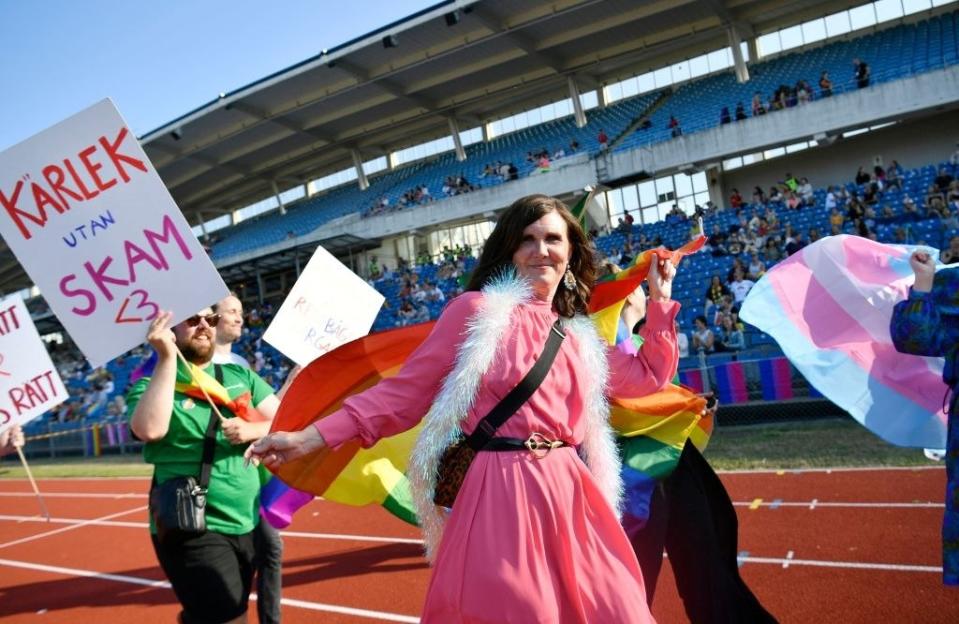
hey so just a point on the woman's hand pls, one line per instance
(924, 267)
(660, 279)
(281, 447)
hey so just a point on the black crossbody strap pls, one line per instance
(520, 394)
(209, 438)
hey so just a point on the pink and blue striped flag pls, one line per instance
(829, 307)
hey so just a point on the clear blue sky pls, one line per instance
(159, 59)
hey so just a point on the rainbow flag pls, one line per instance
(351, 474)
(609, 294)
(829, 307)
(652, 429)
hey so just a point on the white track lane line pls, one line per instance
(818, 503)
(72, 527)
(135, 580)
(809, 504)
(828, 470)
(71, 495)
(142, 525)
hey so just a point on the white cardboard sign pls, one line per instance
(329, 305)
(29, 383)
(90, 220)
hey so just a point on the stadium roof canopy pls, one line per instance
(402, 84)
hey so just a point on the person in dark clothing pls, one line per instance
(861, 73)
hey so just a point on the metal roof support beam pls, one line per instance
(521, 41)
(578, 111)
(276, 193)
(735, 42)
(360, 174)
(457, 142)
(395, 90)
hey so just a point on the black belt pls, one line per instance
(537, 444)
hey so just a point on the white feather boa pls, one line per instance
(442, 425)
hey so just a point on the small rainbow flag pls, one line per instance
(829, 307)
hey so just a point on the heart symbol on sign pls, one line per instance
(144, 303)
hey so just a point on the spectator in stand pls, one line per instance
(724, 116)
(950, 254)
(862, 177)
(790, 183)
(714, 294)
(731, 337)
(740, 111)
(736, 200)
(675, 129)
(832, 200)
(860, 72)
(934, 196)
(682, 340)
(434, 293)
(806, 192)
(772, 252)
(825, 84)
(804, 92)
(879, 177)
(894, 175)
(759, 197)
(573, 146)
(703, 339)
(943, 180)
(740, 287)
(405, 314)
(758, 108)
(775, 195)
(796, 244)
(814, 235)
(603, 139)
(836, 218)
(910, 209)
(716, 242)
(422, 314)
(756, 267)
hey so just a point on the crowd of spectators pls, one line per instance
(788, 96)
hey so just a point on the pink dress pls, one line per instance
(528, 540)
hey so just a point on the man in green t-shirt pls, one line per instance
(211, 574)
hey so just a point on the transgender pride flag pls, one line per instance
(829, 308)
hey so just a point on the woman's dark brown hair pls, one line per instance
(508, 234)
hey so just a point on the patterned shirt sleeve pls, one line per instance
(916, 328)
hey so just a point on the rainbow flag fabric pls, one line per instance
(829, 307)
(351, 474)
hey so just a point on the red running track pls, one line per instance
(844, 546)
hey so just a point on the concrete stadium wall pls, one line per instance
(913, 143)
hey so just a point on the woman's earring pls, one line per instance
(569, 280)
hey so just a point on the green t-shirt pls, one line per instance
(233, 497)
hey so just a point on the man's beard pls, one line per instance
(197, 353)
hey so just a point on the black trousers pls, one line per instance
(692, 517)
(268, 562)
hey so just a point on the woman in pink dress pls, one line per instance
(530, 538)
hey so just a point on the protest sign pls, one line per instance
(92, 223)
(29, 383)
(329, 305)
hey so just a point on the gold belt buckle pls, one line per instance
(539, 445)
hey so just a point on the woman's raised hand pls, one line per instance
(924, 266)
(660, 279)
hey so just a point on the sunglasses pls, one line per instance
(212, 320)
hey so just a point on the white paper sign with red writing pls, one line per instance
(29, 383)
(329, 305)
(95, 228)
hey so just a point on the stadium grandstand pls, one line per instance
(396, 151)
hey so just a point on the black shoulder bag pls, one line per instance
(178, 505)
(457, 457)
